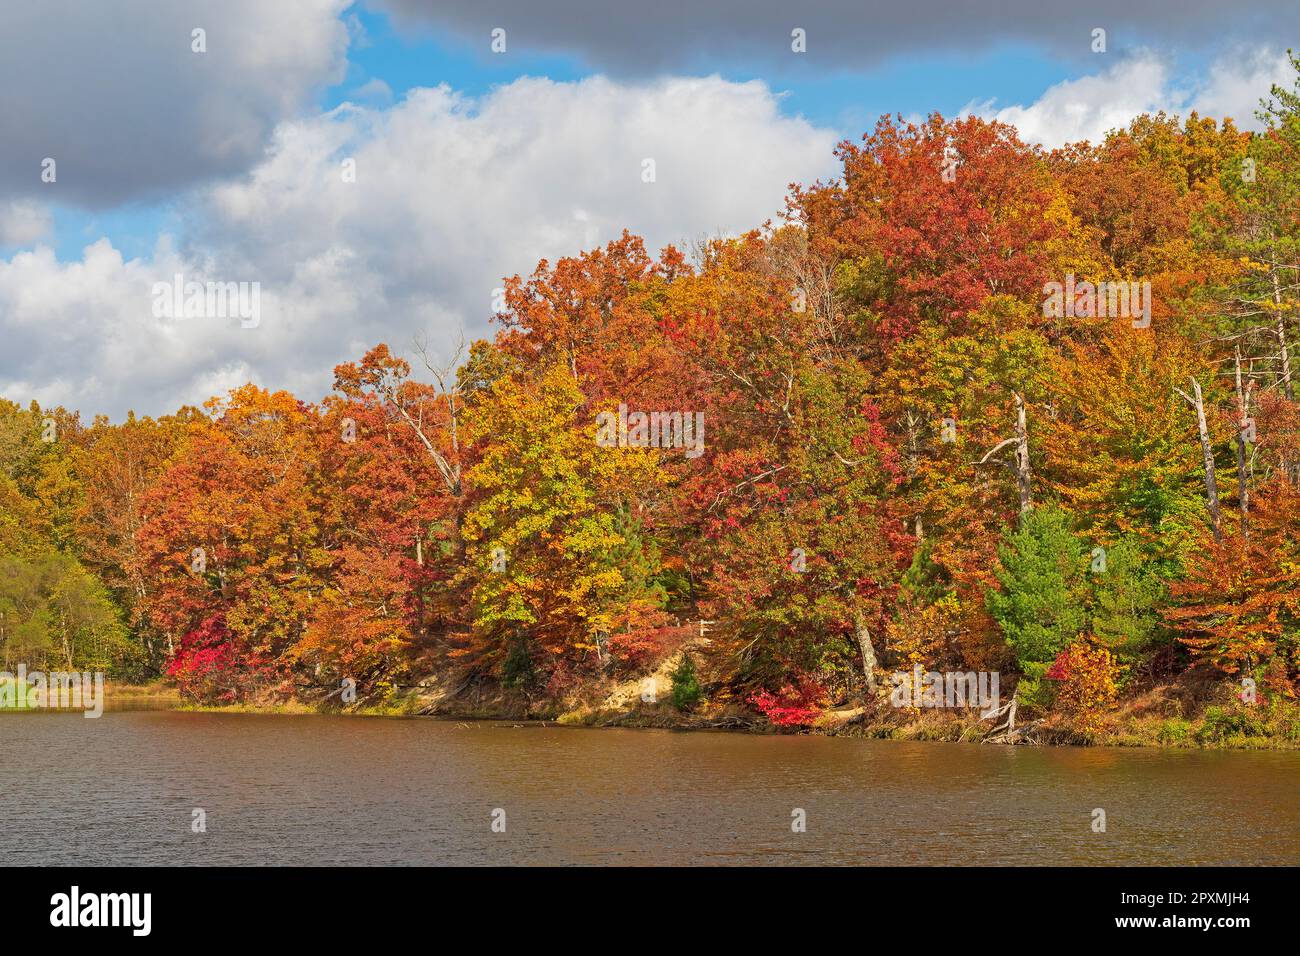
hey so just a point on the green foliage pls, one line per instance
(1041, 606)
(1128, 596)
(1174, 732)
(1222, 724)
(1034, 690)
(518, 671)
(54, 614)
(686, 684)
(636, 555)
(924, 581)
(1281, 110)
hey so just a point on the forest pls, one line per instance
(911, 447)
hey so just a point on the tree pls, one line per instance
(1119, 446)
(116, 466)
(55, 615)
(1085, 679)
(1128, 594)
(1041, 602)
(540, 529)
(947, 242)
(686, 684)
(1238, 611)
(232, 531)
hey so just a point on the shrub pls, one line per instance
(212, 667)
(686, 684)
(1033, 690)
(1086, 685)
(517, 669)
(642, 647)
(1175, 732)
(1222, 723)
(792, 706)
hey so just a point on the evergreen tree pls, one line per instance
(1041, 605)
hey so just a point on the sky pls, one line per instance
(378, 168)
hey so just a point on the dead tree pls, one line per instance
(1020, 464)
(1281, 333)
(444, 374)
(1243, 428)
(1207, 453)
(867, 650)
(1248, 381)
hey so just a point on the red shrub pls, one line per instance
(209, 668)
(792, 706)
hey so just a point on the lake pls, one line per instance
(123, 790)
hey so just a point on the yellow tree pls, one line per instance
(541, 531)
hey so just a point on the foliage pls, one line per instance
(1127, 598)
(1086, 684)
(686, 684)
(1041, 604)
(794, 705)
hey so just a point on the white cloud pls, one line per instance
(23, 222)
(451, 194)
(1239, 80)
(1091, 106)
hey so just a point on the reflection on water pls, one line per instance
(338, 790)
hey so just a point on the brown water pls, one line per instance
(336, 790)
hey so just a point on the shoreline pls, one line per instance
(1214, 728)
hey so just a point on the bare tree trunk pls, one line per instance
(912, 452)
(1243, 422)
(1024, 478)
(63, 631)
(1281, 338)
(1020, 440)
(1290, 468)
(1207, 454)
(868, 652)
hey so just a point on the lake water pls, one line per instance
(336, 790)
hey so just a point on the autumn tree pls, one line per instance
(540, 530)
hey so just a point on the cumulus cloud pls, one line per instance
(1088, 107)
(1237, 81)
(1091, 106)
(451, 193)
(114, 93)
